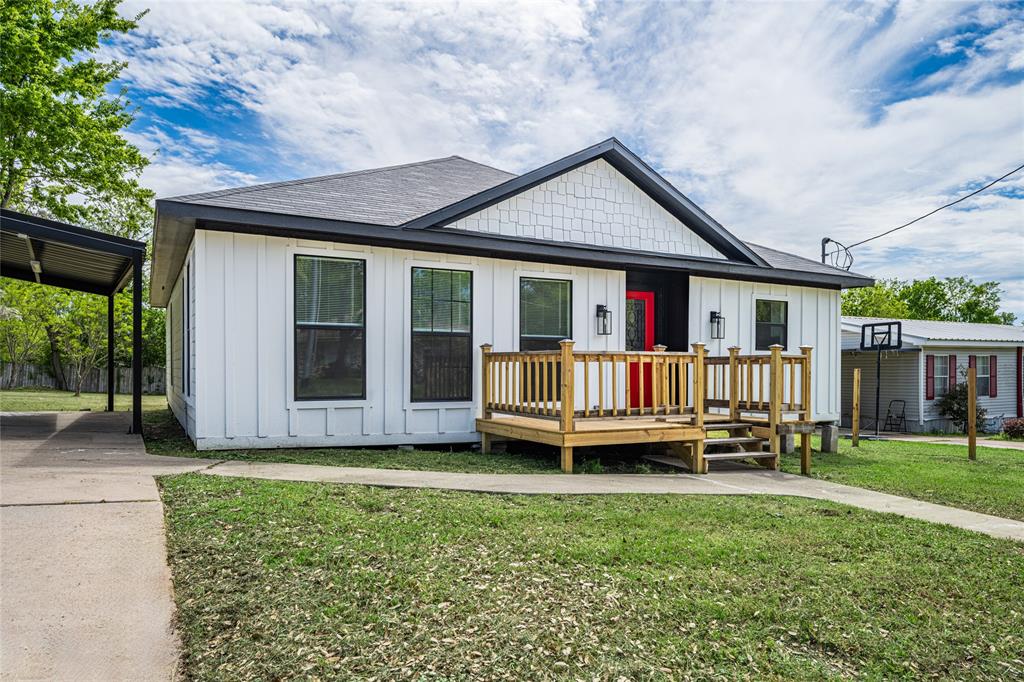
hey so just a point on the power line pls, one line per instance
(952, 203)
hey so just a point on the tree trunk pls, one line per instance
(55, 361)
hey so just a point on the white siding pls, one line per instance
(813, 321)
(245, 332)
(593, 204)
(182, 402)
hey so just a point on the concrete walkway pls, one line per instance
(85, 590)
(941, 440)
(736, 480)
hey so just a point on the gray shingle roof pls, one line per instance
(395, 195)
(789, 261)
(937, 330)
(379, 196)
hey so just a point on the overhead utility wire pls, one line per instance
(966, 196)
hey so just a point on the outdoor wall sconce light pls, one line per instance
(604, 320)
(717, 325)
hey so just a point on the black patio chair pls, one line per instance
(895, 416)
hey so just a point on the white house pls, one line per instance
(349, 309)
(935, 355)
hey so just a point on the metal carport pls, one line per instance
(61, 255)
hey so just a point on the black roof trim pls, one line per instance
(459, 241)
(627, 163)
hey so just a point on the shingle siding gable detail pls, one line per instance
(592, 204)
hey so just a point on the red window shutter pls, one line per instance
(952, 371)
(929, 377)
(972, 360)
(992, 373)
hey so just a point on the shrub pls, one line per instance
(953, 406)
(1014, 428)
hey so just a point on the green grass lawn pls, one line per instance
(993, 484)
(46, 400)
(164, 436)
(279, 580)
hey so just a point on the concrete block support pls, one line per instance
(787, 443)
(829, 438)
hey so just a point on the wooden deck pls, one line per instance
(573, 399)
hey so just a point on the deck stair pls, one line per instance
(739, 445)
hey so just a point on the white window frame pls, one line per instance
(987, 365)
(941, 361)
(371, 324)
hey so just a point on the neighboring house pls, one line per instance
(935, 356)
(349, 309)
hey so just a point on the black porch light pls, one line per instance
(604, 320)
(717, 325)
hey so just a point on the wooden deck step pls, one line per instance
(733, 440)
(730, 426)
(720, 456)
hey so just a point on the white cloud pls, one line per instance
(787, 121)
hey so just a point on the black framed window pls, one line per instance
(177, 337)
(545, 313)
(545, 318)
(442, 335)
(771, 324)
(330, 328)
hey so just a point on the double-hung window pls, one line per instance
(983, 366)
(442, 335)
(941, 375)
(545, 313)
(770, 324)
(330, 328)
(545, 318)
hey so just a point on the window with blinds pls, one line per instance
(442, 335)
(330, 328)
(545, 313)
(545, 318)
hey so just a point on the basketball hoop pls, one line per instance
(880, 337)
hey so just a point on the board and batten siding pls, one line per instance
(813, 320)
(593, 204)
(245, 329)
(181, 402)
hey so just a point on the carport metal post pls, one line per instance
(110, 353)
(137, 342)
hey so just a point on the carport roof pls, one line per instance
(50, 252)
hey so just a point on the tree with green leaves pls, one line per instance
(61, 149)
(953, 299)
(23, 313)
(62, 156)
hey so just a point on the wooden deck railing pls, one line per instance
(603, 384)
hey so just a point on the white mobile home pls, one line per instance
(350, 309)
(935, 356)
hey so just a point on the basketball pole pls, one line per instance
(878, 390)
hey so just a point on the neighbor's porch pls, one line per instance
(630, 397)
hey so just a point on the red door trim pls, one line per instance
(648, 298)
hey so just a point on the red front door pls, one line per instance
(639, 337)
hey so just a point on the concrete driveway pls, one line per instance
(85, 590)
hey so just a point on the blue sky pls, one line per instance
(787, 122)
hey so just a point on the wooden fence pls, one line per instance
(35, 376)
